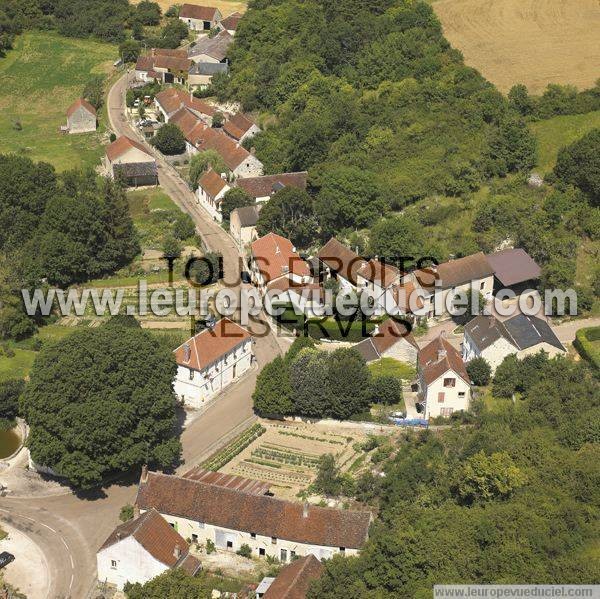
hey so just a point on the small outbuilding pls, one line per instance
(514, 269)
(81, 117)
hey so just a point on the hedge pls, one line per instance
(584, 344)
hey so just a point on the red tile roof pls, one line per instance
(172, 63)
(231, 481)
(402, 296)
(232, 154)
(208, 346)
(293, 581)
(201, 13)
(456, 272)
(172, 99)
(380, 273)
(231, 22)
(265, 186)
(276, 257)
(81, 103)
(259, 514)
(123, 144)
(341, 260)
(212, 183)
(191, 126)
(155, 535)
(237, 126)
(390, 332)
(438, 357)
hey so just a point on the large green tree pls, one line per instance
(579, 164)
(272, 394)
(172, 584)
(100, 402)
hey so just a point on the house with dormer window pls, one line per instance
(210, 361)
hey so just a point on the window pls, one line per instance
(461, 394)
(229, 544)
(446, 412)
(283, 555)
(253, 535)
(113, 563)
(261, 551)
(194, 538)
(274, 540)
(342, 550)
(449, 382)
(191, 375)
(200, 524)
(292, 555)
(441, 397)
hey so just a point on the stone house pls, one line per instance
(141, 549)
(210, 361)
(81, 117)
(239, 127)
(242, 225)
(170, 101)
(391, 339)
(200, 18)
(211, 49)
(489, 338)
(130, 160)
(271, 527)
(445, 386)
(211, 189)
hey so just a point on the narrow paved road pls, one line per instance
(70, 528)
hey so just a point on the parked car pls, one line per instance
(6, 558)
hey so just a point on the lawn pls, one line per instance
(555, 133)
(391, 367)
(15, 366)
(39, 79)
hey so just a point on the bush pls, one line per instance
(479, 371)
(183, 227)
(245, 551)
(584, 344)
(171, 247)
(210, 547)
(126, 513)
(386, 389)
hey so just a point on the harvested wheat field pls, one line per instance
(534, 42)
(225, 6)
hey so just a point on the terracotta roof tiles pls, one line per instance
(438, 357)
(258, 514)
(276, 257)
(81, 103)
(201, 13)
(294, 580)
(212, 183)
(123, 144)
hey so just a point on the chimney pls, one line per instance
(144, 477)
(305, 509)
(187, 352)
(136, 511)
(441, 354)
(376, 331)
(177, 552)
(224, 176)
(119, 535)
(252, 150)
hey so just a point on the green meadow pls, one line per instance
(39, 79)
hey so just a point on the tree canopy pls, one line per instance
(100, 401)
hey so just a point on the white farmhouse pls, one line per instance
(487, 337)
(141, 549)
(210, 361)
(444, 384)
(212, 187)
(379, 279)
(231, 517)
(128, 159)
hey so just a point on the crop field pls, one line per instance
(225, 6)
(287, 455)
(534, 42)
(39, 79)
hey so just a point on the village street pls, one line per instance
(69, 528)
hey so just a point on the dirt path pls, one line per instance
(534, 42)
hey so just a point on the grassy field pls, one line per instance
(225, 6)
(39, 79)
(553, 134)
(391, 367)
(534, 42)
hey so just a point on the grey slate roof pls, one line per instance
(136, 169)
(528, 331)
(215, 47)
(521, 331)
(248, 215)
(514, 266)
(209, 68)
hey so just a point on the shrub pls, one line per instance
(210, 547)
(584, 344)
(245, 551)
(479, 371)
(126, 513)
(169, 140)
